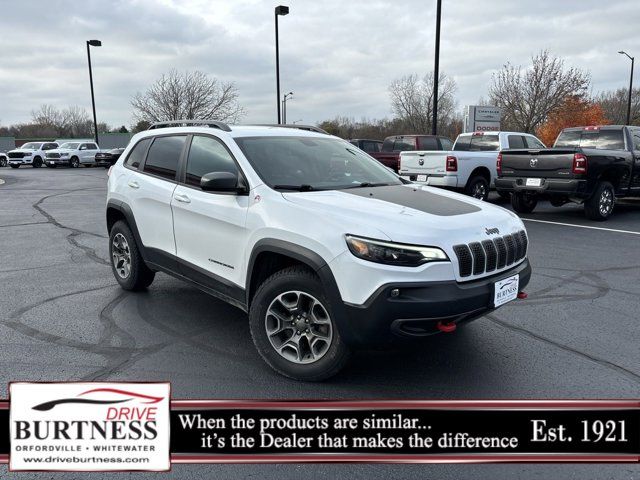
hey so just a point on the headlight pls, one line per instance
(394, 253)
(64, 155)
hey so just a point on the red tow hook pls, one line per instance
(522, 295)
(446, 327)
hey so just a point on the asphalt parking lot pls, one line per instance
(63, 317)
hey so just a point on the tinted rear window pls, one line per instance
(478, 143)
(427, 143)
(606, 139)
(164, 155)
(403, 144)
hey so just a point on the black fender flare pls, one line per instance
(314, 261)
(126, 211)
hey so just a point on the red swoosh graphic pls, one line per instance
(149, 398)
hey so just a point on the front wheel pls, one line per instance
(478, 187)
(3, 162)
(293, 328)
(37, 162)
(127, 263)
(74, 162)
(600, 206)
(523, 203)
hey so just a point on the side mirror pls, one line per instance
(226, 182)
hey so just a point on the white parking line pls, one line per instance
(582, 226)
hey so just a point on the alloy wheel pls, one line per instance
(121, 255)
(298, 327)
(606, 202)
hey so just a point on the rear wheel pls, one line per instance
(523, 202)
(293, 328)
(127, 263)
(600, 206)
(478, 187)
(37, 162)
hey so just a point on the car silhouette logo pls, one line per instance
(533, 162)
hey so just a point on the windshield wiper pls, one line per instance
(297, 188)
(368, 184)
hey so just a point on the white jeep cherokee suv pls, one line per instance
(323, 246)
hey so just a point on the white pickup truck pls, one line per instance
(470, 167)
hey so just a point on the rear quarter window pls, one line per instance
(462, 143)
(137, 153)
(516, 141)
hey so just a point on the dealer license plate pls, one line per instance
(422, 178)
(534, 182)
(506, 290)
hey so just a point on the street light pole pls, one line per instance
(93, 43)
(436, 70)
(630, 87)
(284, 106)
(279, 10)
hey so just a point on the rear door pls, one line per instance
(635, 177)
(150, 190)
(210, 227)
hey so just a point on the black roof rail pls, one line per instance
(186, 123)
(310, 128)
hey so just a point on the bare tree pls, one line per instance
(192, 95)
(77, 122)
(48, 116)
(528, 96)
(614, 105)
(412, 100)
(73, 121)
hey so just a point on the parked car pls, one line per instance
(109, 157)
(369, 146)
(392, 146)
(73, 154)
(229, 208)
(3, 159)
(588, 165)
(470, 167)
(31, 153)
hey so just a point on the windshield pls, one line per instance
(311, 163)
(31, 146)
(70, 146)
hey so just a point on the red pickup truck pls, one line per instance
(392, 146)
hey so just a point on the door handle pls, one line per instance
(182, 198)
(133, 184)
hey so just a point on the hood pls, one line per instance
(62, 150)
(22, 150)
(412, 214)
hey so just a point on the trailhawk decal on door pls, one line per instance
(89, 426)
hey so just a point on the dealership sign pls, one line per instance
(89, 426)
(481, 118)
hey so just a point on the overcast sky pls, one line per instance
(337, 56)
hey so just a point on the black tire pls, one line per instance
(37, 162)
(3, 162)
(335, 353)
(74, 162)
(477, 187)
(14, 166)
(504, 195)
(139, 276)
(600, 205)
(523, 203)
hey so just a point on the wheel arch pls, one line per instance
(117, 210)
(481, 171)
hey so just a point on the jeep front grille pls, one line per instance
(482, 257)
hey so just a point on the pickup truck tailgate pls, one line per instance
(423, 163)
(548, 163)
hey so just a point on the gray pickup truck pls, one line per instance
(588, 165)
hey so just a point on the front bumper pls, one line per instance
(420, 306)
(449, 181)
(20, 161)
(56, 161)
(550, 186)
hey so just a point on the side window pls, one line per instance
(207, 155)
(83, 146)
(516, 141)
(136, 155)
(533, 142)
(92, 146)
(164, 155)
(446, 144)
(49, 146)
